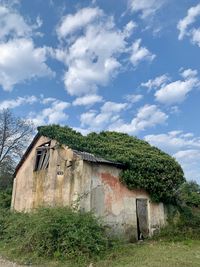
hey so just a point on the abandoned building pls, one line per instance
(53, 174)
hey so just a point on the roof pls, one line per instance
(92, 158)
(26, 153)
(84, 155)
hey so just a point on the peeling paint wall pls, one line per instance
(111, 200)
(60, 184)
(71, 181)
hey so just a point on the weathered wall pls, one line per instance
(60, 184)
(111, 200)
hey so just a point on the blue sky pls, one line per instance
(127, 65)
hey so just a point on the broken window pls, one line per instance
(42, 157)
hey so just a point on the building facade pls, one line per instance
(51, 174)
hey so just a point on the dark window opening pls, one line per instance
(42, 157)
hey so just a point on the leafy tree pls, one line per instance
(145, 166)
(189, 194)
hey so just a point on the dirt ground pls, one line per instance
(6, 263)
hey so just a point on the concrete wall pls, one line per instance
(60, 184)
(111, 200)
(69, 181)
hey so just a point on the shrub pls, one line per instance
(56, 232)
(189, 194)
(5, 198)
(183, 223)
(145, 166)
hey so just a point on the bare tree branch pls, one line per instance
(14, 136)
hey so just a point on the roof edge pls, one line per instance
(28, 150)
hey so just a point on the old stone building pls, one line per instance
(54, 174)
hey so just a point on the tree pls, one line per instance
(14, 136)
(189, 194)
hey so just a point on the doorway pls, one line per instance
(142, 218)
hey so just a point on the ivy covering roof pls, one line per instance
(146, 166)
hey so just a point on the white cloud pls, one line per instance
(98, 121)
(157, 82)
(176, 92)
(185, 147)
(51, 115)
(12, 23)
(72, 23)
(184, 23)
(87, 100)
(20, 60)
(133, 98)
(185, 28)
(145, 7)
(189, 73)
(173, 141)
(196, 36)
(186, 155)
(129, 28)
(147, 116)
(13, 103)
(139, 53)
(21, 52)
(93, 57)
(90, 64)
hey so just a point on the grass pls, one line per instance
(155, 254)
(144, 254)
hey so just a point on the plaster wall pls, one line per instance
(116, 204)
(61, 184)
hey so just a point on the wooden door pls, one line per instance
(142, 218)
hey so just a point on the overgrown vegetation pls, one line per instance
(51, 233)
(189, 194)
(184, 217)
(145, 166)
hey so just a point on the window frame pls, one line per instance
(42, 157)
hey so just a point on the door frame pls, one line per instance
(148, 214)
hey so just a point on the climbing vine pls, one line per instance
(145, 166)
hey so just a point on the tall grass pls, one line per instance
(54, 233)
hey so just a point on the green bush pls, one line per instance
(5, 198)
(183, 223)
(55, 232)
(189, 194)
(145, 166)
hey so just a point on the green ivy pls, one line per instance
(146, 166)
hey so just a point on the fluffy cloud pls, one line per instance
(87, 100)
(145, 7)
(196, 36)
(139, 53)
(89, 64)
(21, 52)
(133, 98)
(185, 23)
(129, 28)
(108, 114)
(13, 103)
(72, 23)
(92, 58)
(12, 23)
(174, 140)
(157, 82)
(51, 115)
(185, 147)
(147, 116)
(176, 92)
(18, 49)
